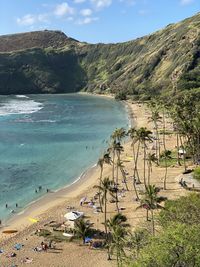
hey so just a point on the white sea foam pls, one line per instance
(21, 106)
(46, 121)
(22, 96)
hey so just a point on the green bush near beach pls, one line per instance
(177, 242)
(196, 173)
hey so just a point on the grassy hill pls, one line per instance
(50, 62)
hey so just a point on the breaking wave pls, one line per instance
(23, 105)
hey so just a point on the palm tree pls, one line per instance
(144, 135)
(100, 164)
(105, 188)
(155, 118)
(117, 219)
(82, 228)
(116, 149)
(137, 240)
(118, 134)
(116, 138)
(151, 201)
(112, 149)
(166, 154)
(134, 136)
(118, 243)
(119, 149)
(121, 167)
(151, 157)
(105, 159)
(117, 238)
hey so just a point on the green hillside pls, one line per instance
(50, 62)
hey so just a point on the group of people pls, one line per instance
(183, 183)
(39, 189)
(43, 247)
(12, 211)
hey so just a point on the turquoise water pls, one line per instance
(49, 140)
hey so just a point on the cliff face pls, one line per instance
(50, 62)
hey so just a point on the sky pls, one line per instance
(94, 21)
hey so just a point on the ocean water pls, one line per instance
(49, 140)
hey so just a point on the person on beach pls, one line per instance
(16, 205)
(6, 205)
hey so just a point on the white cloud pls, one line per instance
(186, 2)
(86, 20)
(128, 2)
(86, 12)
(63, 9)
(27, 20)
(79, 1)
(30, 19)
(101, 3)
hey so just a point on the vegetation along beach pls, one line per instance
(100, 143)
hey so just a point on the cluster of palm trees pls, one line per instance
(185, 112)
(152, 146)
(115, 232)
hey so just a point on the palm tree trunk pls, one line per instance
(153, 223)
(117, 173)
(164, 130)
(134, 179)
(100, 190)
(158, 143)
(105, 215)
(165, 178)
(136, 161)
(149, 171)
(113, 169)
(118, 263)
(178, 147)
(145, 184)
(135, 189)
(124, 178)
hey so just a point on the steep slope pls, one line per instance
(39, 62)
(166, 60)
(37, 39)
(48, 61)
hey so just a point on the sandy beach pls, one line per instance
(53, 206)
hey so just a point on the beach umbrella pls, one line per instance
(73, 215)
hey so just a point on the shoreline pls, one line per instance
(38, 207)
(71, 253)
(52, 196)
